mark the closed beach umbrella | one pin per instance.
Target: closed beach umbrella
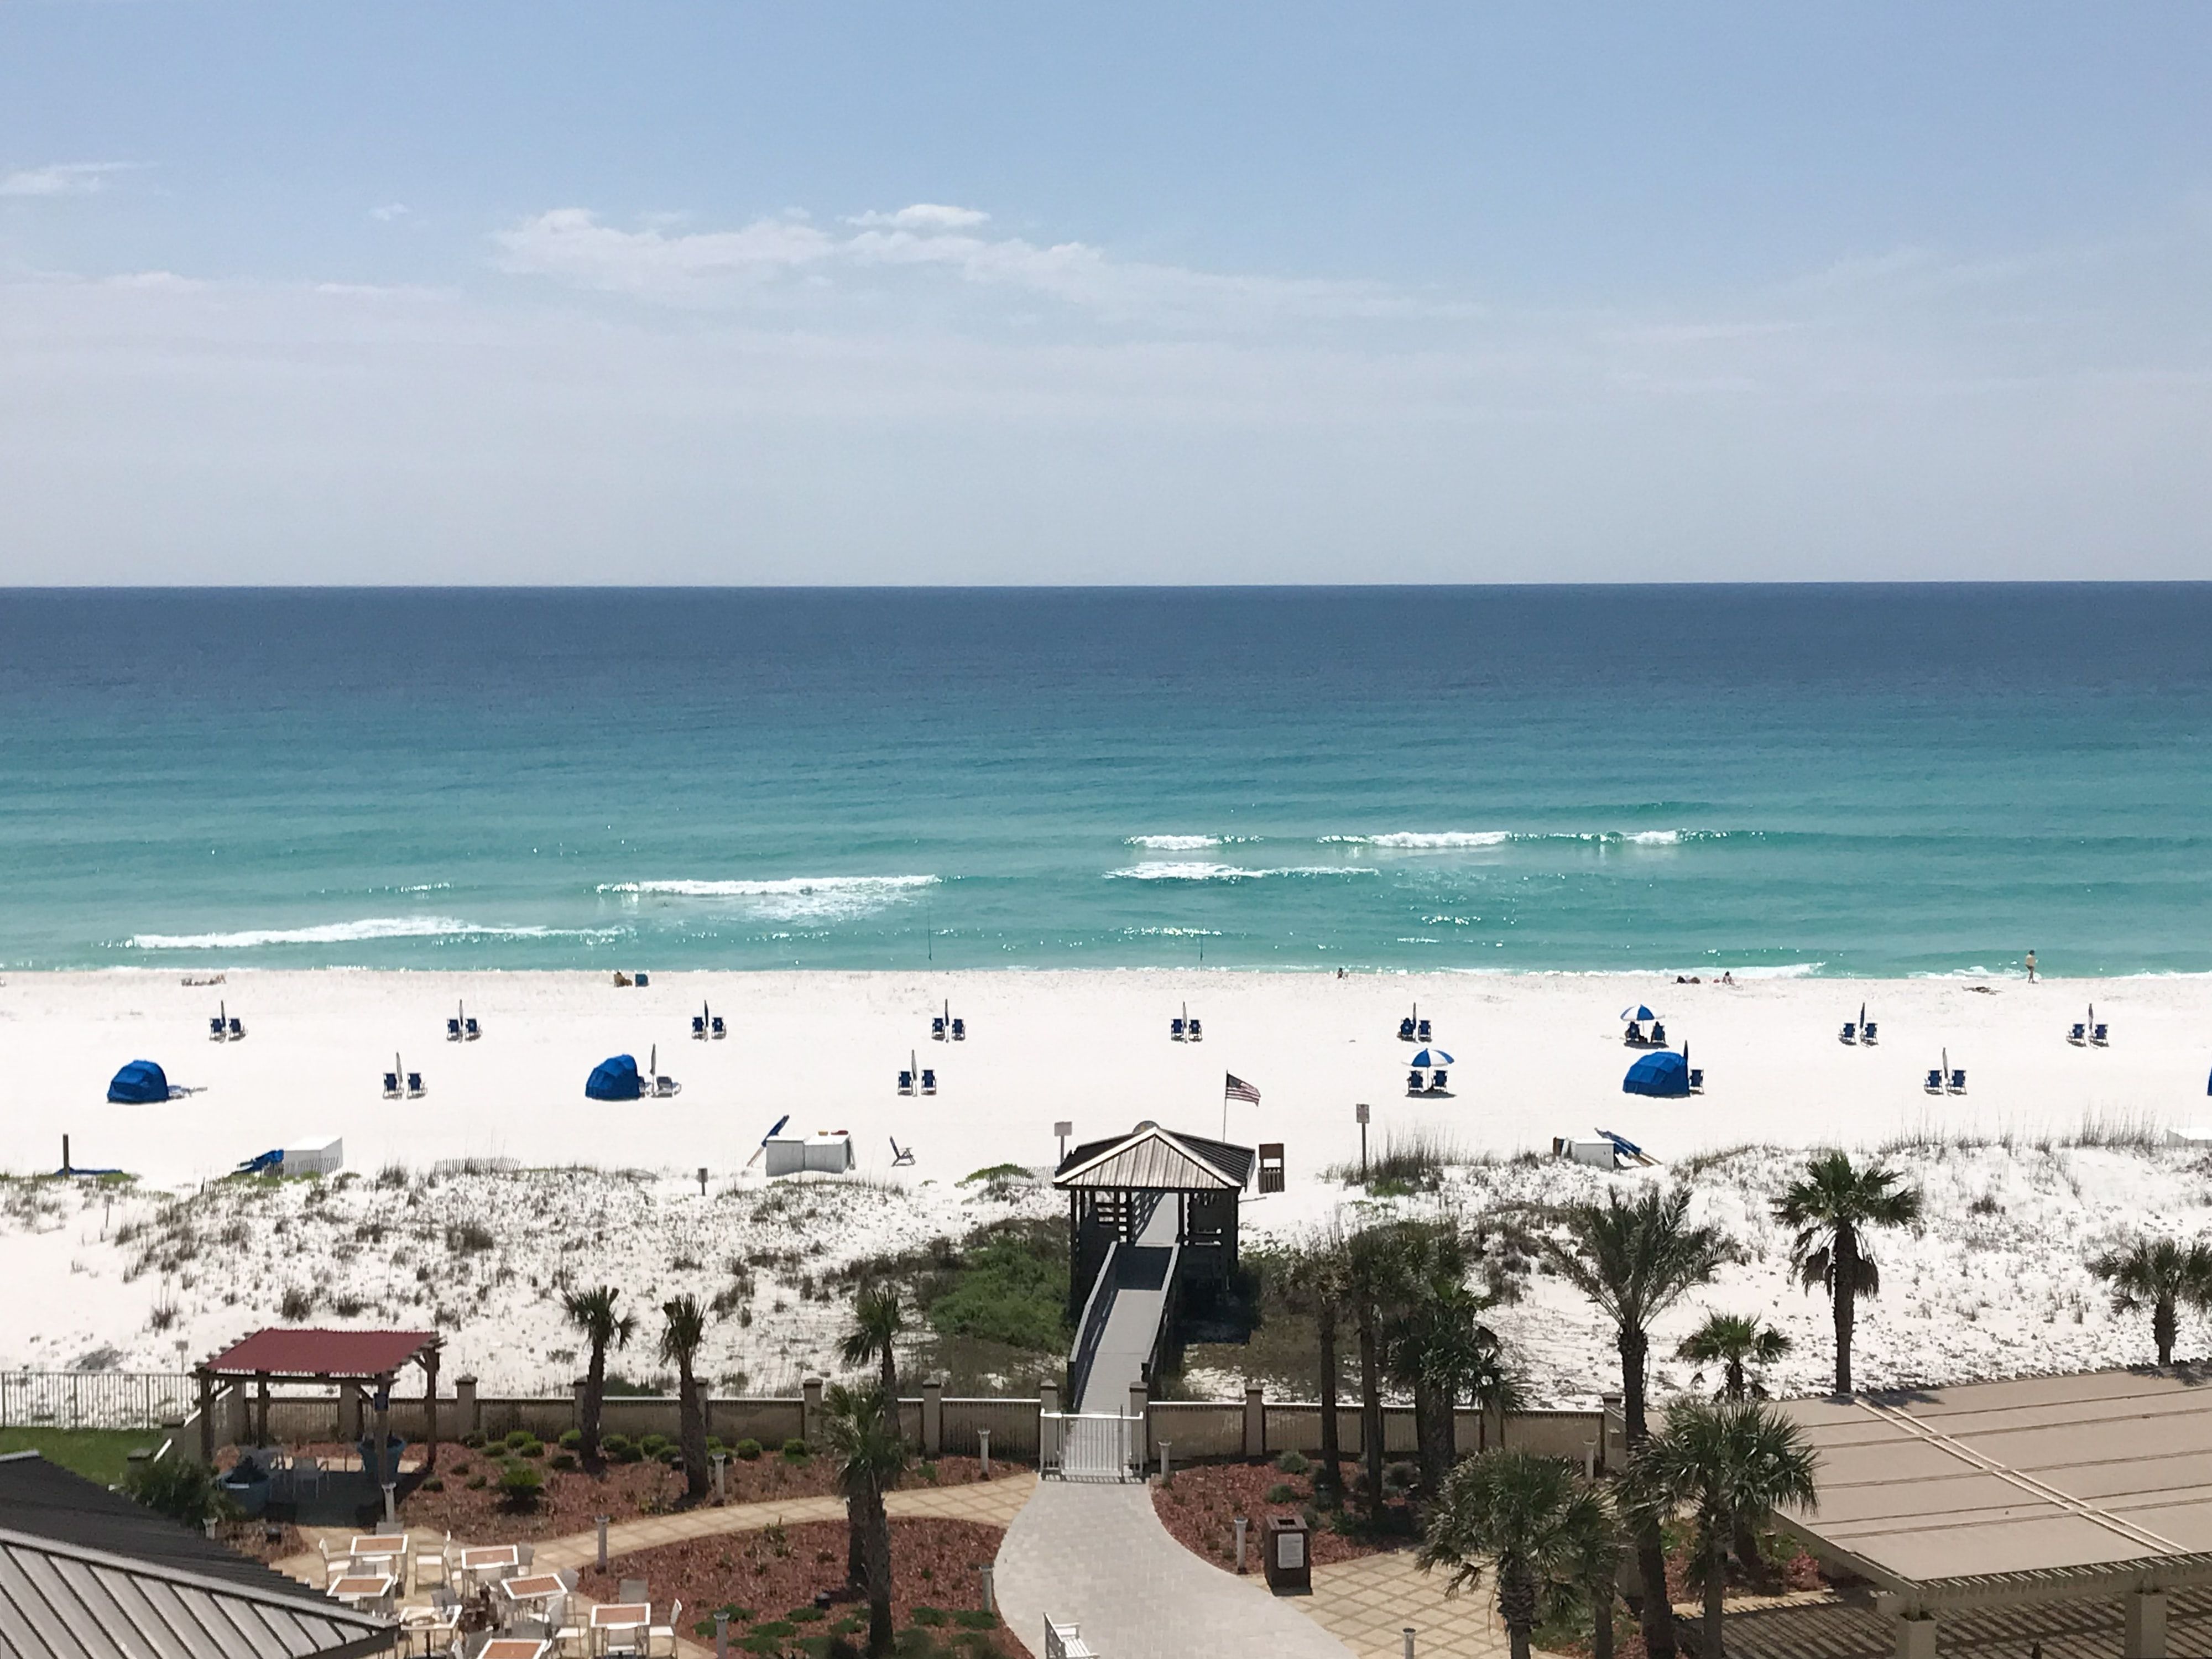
(1637, 1016)
(1665, 1075)
(614, 1079)
(142, 1083)
(1433, 1057)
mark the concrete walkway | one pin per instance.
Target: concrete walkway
(1097, 1555)
(1367, 1604)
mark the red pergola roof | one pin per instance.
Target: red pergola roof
(282, 1353)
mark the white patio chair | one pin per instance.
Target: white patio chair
(440, 1558)
(633, 1589)
(664, 1636)
(336, 1563)
(572, 1631)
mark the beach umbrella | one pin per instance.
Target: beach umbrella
(1432, 1057)
(142, 1083)
(1638, 1015)
(615, 1078)
(1665, 1075)
(1863, 1017)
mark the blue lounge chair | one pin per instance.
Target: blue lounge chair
(928, 1081)
(905, 1083)
(237, 1029)
(1197, 1033)
(699, 1028)
(415, 1089)
(1850, 1033)
(453, 1028)
(472, 1028)
(1957, 1083)
(959, 1029)
(665, 1087)
(1406, 1030)
(1422, 1031)
(215, 1028)
(2077, 1034)
(1934, 1084)
(1867, 1035)
(1696, 1080)
(1175, 1030)
(1437, 1079)
(1658, 1034)
(391, 1085)
(1634, 1039)
(2097, 1036)
(937, 1028)
(1415, 1083)
(715, 1028)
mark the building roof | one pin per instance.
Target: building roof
(1150, 1159)
(86, 1573)
(2039, 1489)
(283, 1353)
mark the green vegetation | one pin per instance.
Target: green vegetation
(749, 1449)
(1009, 1285)
(521, 1483)
(178, 1487)
(997, 1172)
(102, 1455)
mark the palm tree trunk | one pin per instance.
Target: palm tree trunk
(1516, 1606)
(691, 1429)
(891, 1382)
(1656, 1615)
(1746, 1552)
(1370, 1405)
(595, 1382)
(1427, 1450)
(856, 1545)
(879, 1575)
(1332, 1449)
(1602, 1621)
(1845, 1297)
(1709, 1643)
(2161, 1328)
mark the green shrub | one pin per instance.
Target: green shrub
(929, 1616)
(926, 1470)
(1293, 1461)
(434, 1484)
(805, 1615)
(975, 1618)
(179, 1488)
(571, 1439)
(617, 1448)
(520, 1439)
(794, 1450)
(749, 1450)
(519, 1483)
(532, 1448)
(715, 1444)
(473, 1440)
(561, 1460)
(653, 1444)
(1282, 1493)
(476, 1483)
(1010, 1288)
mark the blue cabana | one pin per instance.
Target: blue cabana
(614, 1079)
(142, 1083)
(1665, 1074)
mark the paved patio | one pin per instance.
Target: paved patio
(1366, 1605)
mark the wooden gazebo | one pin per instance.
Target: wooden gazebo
(351, 1358)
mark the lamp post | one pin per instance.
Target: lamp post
(1360, 1112)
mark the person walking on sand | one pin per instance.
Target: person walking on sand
(2031, 967)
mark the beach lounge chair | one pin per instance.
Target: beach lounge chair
(1437, 1079)
(1197, 1031)
(928, 1081)
(237, 1029)
(1658, 1034)
(1406, 1030)
(1175, 1030)
(1421, 1032)
(217, 1029)
(2097, 1036)
(1957, 1083)
(391, 1090)
(1867, 1034)
(905, 1083)
(716, 1028)
(2077, 1034)
(666, 1088)
(415, 1089)
(470, 1029)
(699, 1028)
(959, 1029)
(901, 1155)
(1696, 1080)
(1934, 1084)
(452, 1028)
(1850, 1032)
(1634, 1038)
(1415, 1083)
(937, 1028)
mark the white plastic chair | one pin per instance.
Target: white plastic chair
(665, 1634)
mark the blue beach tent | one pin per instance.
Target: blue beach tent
(142, 1083)
(1664, 1074)
(614, 1079)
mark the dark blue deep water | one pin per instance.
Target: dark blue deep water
(1875, 780)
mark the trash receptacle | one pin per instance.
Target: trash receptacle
(1290, 1562)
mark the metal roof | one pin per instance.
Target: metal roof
(284, 1352)
(2039, 1489)
(1150, 1159)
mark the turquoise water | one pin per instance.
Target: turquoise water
(1847, 780)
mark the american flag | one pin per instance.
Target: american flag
(1236, 1088)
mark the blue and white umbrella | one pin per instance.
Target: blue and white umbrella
(1637, 1015)
(1430, 1058)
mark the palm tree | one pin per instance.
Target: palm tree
(1830, 1206)
(1492, 1386)
(1597, 1574)
(1318, 1282)
(1735, 1342)
(1635, 1258)
(1732, 1462)
(681, 1337)
(592, 1312)
(1372, 1272)
(1435, 1340)
(2159, 1274)
(878, 1319)
(1528, 1522)
(860, 1431)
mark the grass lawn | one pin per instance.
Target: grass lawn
(100, 1454)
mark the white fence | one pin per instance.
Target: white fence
(1098, 1446)
(95, 1400)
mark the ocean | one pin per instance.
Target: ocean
(1847, 780)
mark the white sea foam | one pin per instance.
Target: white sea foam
(1174, 843)
(1424, 840)
(1446, 841)
(1164, 869)
(348, 933)
(789, 898)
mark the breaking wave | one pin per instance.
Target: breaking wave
(1162, 869)
(348, 933)
(790, 898)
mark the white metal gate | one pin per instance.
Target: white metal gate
(1092, 1446)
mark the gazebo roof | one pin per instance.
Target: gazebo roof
(277, 1352)
(1150, 1159)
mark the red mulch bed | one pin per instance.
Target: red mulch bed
(1203, 1499)
(571, 1499)
(768, 1575)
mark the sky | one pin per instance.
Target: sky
(1146, 293)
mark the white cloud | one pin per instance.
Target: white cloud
(571, 245)
(924, 216)
(61, 179)
(389, 211)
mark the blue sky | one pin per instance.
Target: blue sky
(1019, 294)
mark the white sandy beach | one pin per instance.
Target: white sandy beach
(1972, 1293)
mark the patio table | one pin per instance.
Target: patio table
(392, 1548)
(359, 1587)
(486, 1559)
(515, 1647)
(612, 1617)
(539, 1587)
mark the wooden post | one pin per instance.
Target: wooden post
(384, 1427)
(430, 1405)
(207, 1412)
(261, 1429)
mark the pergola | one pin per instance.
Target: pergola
(373, 1358)
(2017, 1494)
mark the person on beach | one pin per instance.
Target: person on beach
(2031, 967)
